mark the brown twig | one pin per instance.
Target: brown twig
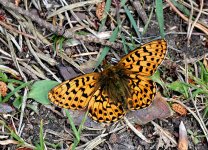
(58, 30)
(197, 18)
(15, 30)
(140, 10)
(198, 25)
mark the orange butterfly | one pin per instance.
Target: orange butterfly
(110, 93)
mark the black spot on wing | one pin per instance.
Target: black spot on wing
(137, 54)
(140, 68)
(83, 82)
(76, 82)
(84, 95)
(127, 59)
(68, 85)
(88, 78)
(145, 49)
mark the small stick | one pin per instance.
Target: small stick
(15, 30)
(140, 10)
(198, 25)
(59, 30)
(139, 134)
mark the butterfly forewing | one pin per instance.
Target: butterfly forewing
(75, 93)
(145, 59)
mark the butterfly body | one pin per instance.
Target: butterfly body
(108, 95)
(114, 81)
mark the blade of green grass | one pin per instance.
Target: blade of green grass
(80, 129)
(41, 135)
(123, 2)
(124, 44)
(203, 73)
(160, 17)
(148, 21)
(76, 133)
(4, 78)
(83, 121)
(133, 22)
(15, 90)
(106, 48)
(181, 7)
(107, 8)
(205, 115)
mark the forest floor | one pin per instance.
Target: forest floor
(35, 56)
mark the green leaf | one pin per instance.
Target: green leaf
(3, 76)
(160, 17)
(39, 91)
(199, 91)
(156, 78)
(179, 87)
(203, 73)
(18, 102)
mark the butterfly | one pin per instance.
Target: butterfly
(110, 94)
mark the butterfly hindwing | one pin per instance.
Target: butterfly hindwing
(102, 109)
(145, 59)
(143, 92)
(75, 93)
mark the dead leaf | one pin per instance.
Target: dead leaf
(67, 72)
(5, 108)
(88, 66)
(78, 117)
(158, 109)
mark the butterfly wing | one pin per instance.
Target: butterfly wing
(102, 109)
(75, 93)
(143, 92)
(81, 92)
(145, 59)
(142, 63)
(84, 91)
